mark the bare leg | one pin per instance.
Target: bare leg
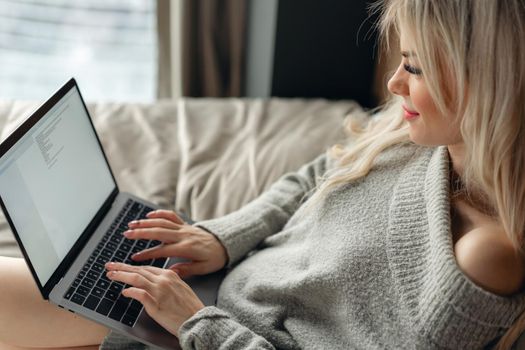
(11, 347)
(26, 320)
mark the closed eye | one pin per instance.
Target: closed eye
(412, 69)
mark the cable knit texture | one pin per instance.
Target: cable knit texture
(369, 267)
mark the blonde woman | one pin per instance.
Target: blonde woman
(412, 238)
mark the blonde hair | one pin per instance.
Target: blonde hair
(472, 55)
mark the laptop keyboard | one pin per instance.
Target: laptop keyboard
(93, 289)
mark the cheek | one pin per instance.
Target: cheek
(422, 101)
(433, 128)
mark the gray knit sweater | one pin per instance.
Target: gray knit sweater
(369, 267)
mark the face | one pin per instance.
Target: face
(428, 126)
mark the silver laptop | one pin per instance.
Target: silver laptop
(64, 207)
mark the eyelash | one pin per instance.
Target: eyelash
(412, 70)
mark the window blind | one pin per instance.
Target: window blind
(108, 45)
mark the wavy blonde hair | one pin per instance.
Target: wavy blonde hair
(472, 54)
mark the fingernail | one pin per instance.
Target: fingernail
(127, 233)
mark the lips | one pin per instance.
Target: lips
(409, 114)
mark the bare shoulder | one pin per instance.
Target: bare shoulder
(488, 258)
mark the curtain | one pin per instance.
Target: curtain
(213, 45)
(165, 63)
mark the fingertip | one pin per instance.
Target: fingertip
(176, 270)
(138, 257)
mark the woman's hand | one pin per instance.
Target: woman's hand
(205, 252)
(166, 298)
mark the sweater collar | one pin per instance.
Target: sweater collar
(420, 248)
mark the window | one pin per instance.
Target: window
(109, 46)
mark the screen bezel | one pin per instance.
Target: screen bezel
(9, 142)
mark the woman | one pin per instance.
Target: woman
(412, 238)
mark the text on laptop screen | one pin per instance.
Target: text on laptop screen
(53, 181)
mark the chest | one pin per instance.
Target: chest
(465, 219)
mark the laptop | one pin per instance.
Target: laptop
(67, 214)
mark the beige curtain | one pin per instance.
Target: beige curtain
(213, 45)
(165, 60)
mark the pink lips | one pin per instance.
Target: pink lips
(410, 115)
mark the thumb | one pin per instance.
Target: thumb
(188, 269)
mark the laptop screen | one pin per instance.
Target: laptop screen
(53, 181)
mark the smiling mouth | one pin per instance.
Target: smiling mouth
(409, 114)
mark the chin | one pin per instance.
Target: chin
(423, 140)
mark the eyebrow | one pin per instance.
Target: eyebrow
(408, 53)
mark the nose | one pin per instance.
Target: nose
(398, 82)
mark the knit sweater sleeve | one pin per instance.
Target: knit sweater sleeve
(241, 231)
(212, 328)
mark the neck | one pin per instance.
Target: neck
(457, 155)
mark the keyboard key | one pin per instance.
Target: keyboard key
(159, 262)
(105, 278)
(116, 238)
(125, 247)
(69, 293)
(105, 306)
(88, 283)
(141, 244)
(106, 253)
(154, 243)
(102, 284)
(102, 260)
(111, 246)
(111, 295)
(119, 254)
(128, 241)
(118, 310)
(133, 312)
(78, 299)
(92, 302)
(83, 291)
(93, 275)
(99, 293)
(136, 206)
(97, 267)
(76, 282)
(115, 287)
(128, 320)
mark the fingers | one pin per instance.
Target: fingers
(189, 269)
(161, 251)
(160, 234)
(165, 214)
(140, 295)
(123, 271)
(148, 223)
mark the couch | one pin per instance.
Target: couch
(203, 157)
